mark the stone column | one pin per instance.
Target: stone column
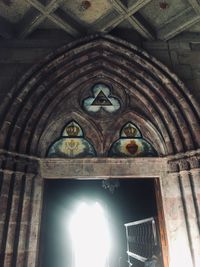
(25, 222)
(188, 200)
(185, 170)
(35, 221)
(195, 181)
(12, 230)
(20, 213)
(5, 205)
(179, 247)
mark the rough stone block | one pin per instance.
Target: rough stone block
(157, 45)
(3, 207)
(162, 56)
(6, 185)
(8, 259)
(21, 257)
(26, 210)
(22, 245)
(174, 58)
(14, 209)
(170, 186)
(10, 238)
(183, 71)
(195, 46)
(194, 85)
(174, 208)
(190, 58)
(23, 55)
(196, 71)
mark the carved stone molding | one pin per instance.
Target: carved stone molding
(29, 127)
(184, 163)
(194, 162)
(53, 168)
(11, 162)
(173, 166)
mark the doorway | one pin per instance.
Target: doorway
(133, 200)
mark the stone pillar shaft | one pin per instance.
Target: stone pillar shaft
(25, 223)
(190, 216)
(35, 222)
(4, 211)
(20, 213)
(179, 249)
(12, 234)
(195, 179)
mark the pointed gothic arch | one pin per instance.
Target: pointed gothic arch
(28, 109)
(43, 101)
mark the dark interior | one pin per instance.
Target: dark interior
(133, 200)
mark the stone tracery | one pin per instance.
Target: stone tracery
(165, 101)
(152, 97)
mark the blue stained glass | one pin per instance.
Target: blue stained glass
(101, 99)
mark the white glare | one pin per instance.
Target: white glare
(90, 236)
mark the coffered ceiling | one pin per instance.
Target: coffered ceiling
(152, 19)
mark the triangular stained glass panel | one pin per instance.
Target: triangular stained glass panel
(101, 100)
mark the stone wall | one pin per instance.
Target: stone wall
(21, 176)
(181, 55)
(21, 200)
(17, 56)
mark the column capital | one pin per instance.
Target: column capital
(187, 162)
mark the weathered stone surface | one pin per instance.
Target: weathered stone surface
(191, 215)
(34, 111)
(69, 63)
(4, 208)
(182, 162)
(19, 163)
(66, 168)
(32, 255)
(190, 58)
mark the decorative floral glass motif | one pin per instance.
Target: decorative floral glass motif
(131, 144)
(71, 144)
(101, 99)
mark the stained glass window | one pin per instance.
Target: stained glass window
(131, 144)
(71, 144)
(101, 99)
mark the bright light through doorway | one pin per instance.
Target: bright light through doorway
(90, 236)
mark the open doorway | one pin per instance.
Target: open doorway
(133, 200)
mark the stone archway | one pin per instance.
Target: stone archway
(35, 111)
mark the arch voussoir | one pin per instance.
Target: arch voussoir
(170, 105)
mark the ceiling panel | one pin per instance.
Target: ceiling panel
(157, 16)
(87, 11)
(14, 11)
(80, 17)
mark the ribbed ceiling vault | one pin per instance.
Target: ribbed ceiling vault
(27, 111)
